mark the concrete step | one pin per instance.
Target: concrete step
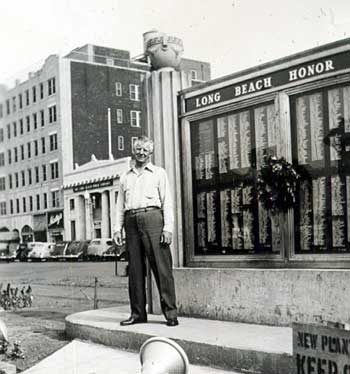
(237, 347)
(79, 357)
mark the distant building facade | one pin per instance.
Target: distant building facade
(86, 105)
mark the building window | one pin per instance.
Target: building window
(52, 114)
(11, 206)
(9, 156)
(27, 97)
(45, 200)
(135, 118)
(120, 143)
(21, 126)
(17, 206)
(24, 204)
(14, 125)
(16, 180)
(1, 111)
(10, 182)
(194, 75)
(43, 169)
(1, 135)
(54, 170)
(37, 202)
(42, 118)
(29, 149)
(36, 174)
(8, 111)
(55, 198)
(134, 92)
(72, 204)
(35, 121)
(43, 146)
(53, 142)
(41, 90)
(51, 85)
(36, 148)
(73, 233)
(20, 101)
(8, 131)
(28, 123)
(22, 152)
(119, 116)
(30, 176)
(133, 140)
(30, 203)
(118, 89)
(2, 159)
(23, 174)
(3, 208)
(15, 151)
(34, 94)
(14, 107)
(2, 183)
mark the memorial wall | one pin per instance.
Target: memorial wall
(296, 108)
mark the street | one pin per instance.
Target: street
(59, 289)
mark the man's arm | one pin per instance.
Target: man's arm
(119, 215)
(167, 206)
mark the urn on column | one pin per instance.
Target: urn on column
(164, 51)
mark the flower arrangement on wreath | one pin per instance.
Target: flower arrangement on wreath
(277, 182)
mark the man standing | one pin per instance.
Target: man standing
(144, 210)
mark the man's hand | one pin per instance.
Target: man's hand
(166, 237)
(117, 236)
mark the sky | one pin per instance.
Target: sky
(230, 34)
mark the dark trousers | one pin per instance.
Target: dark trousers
(143, 232)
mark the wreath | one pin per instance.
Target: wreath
(277, 184)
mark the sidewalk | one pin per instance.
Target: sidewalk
(217, 344)
(80, 357)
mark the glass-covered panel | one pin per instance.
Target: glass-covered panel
(321, 140)
(226, 152)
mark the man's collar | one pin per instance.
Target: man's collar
(149, 167)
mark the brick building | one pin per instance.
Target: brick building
(58, 120)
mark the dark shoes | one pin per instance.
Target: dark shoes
(132, 321)
(172, 322)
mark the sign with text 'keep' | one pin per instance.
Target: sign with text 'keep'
(320, 349)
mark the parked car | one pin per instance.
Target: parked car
(77, 250)
(59, 250)
(23, 250)
(41, 251)
(99, 248)
(7, 251)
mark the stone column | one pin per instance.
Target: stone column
(88, 217)
(105, 226)
(80, 218)
(161, 88)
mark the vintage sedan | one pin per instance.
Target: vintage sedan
(8, 251)
(77, 250)
(59, 251)
(23, 250)
(99, 249)
(41, 251)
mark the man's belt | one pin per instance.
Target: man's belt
(142, 210)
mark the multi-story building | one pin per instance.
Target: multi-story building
(86, 105)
